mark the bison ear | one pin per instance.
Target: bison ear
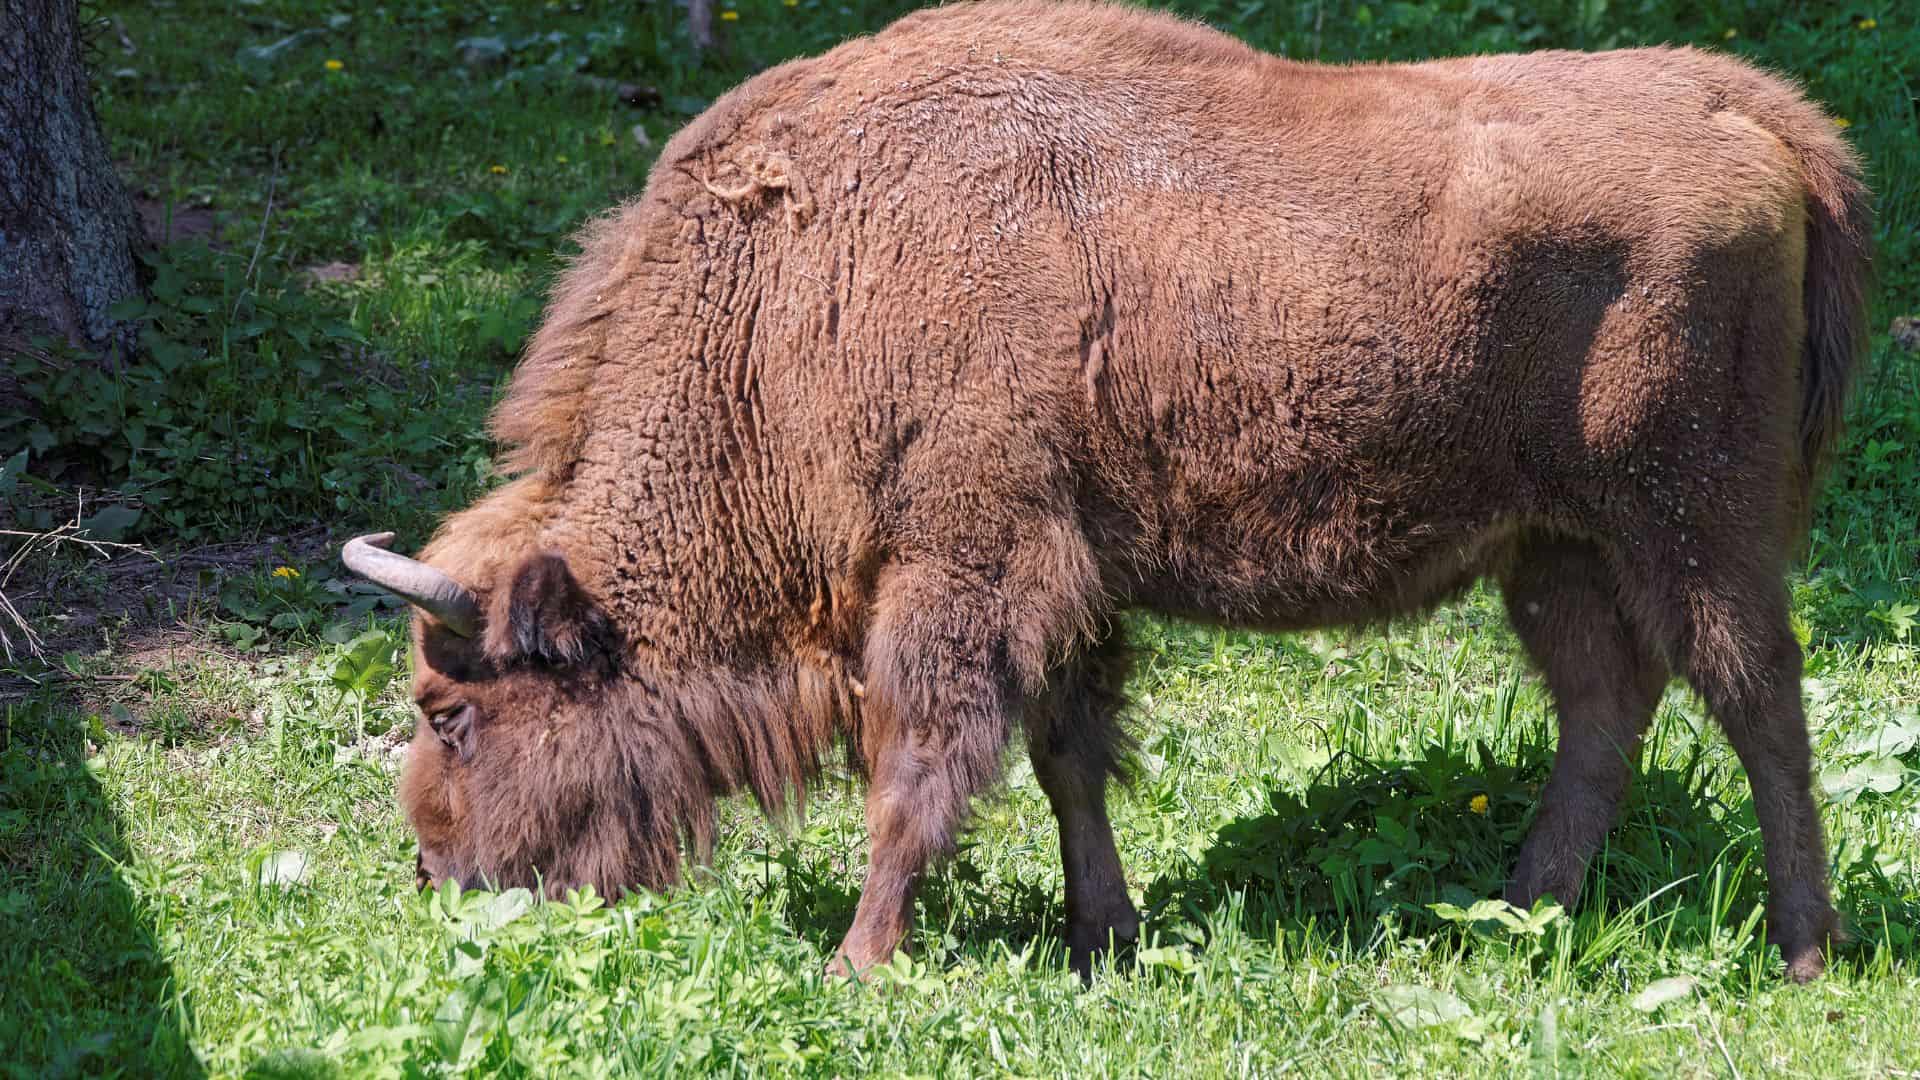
(549, 617)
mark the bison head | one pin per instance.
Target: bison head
(532, 765)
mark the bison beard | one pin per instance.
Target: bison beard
(919, 362)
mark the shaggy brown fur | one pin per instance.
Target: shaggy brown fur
(918, 361)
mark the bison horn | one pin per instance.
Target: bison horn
(413, 581)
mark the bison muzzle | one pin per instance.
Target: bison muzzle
(918, 362)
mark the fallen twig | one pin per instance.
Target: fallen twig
(32, 543)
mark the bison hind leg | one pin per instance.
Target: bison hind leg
(1564, 603)
(1734, 642)
(1077, 745)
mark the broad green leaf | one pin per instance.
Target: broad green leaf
(1878, 774)
(1897, 735)
(1537, 921)
(461, 1027)
(10, 473)
(501, 909)
(365, 664)
(284, 869)
(1662, 991)
(384, 1038)
(1421, 1006)
(1174, 958)
(110, 522)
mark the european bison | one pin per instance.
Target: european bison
(918, 362)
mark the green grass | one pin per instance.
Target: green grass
(203, 868)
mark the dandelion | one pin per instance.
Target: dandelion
(729, 15)
(497, 170)
(1842, 122)
(1478, 804)
(1729, 34)
(1866, 24)
(286, 572)
(335, 65)
(560, 158)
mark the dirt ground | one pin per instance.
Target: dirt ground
(102, 618)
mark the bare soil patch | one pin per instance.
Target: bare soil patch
(165, 223)
(107, 622)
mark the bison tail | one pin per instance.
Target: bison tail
(1839, 258)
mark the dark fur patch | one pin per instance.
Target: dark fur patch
(551, 619)
(455, 728)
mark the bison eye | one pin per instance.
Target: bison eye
(455, 729)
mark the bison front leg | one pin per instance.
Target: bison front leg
(1076, 744)
(915, 806)
(936, 716)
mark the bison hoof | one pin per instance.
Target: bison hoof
(1806, 964)
(1086, 943)
(847, 967)
(1805, 925)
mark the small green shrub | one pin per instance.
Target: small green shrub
(286, 601)
(251, 404)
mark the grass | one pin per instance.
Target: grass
(203, 868)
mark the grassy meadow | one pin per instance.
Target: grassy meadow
(203, 868)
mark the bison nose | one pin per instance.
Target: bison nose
(421, 879)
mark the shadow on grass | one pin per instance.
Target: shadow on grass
(1381, 841)
(1375, 842)
(84, 987)
(956, 902)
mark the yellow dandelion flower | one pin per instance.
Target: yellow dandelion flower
(1867, 24)
(286, 572)
(1478, 804)
(1729, 34)
(497, 170)
(334, 65)
(1842, 122)
(729, 15)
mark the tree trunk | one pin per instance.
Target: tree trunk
(67, 227)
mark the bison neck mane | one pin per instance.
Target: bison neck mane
(686, 740)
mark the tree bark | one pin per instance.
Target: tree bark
(67, 226)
